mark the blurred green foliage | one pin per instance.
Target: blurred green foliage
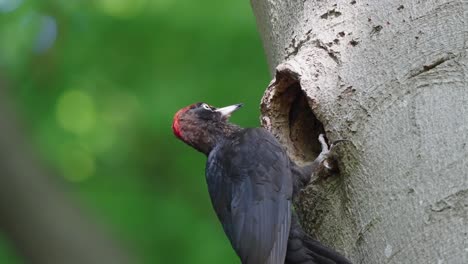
(97, 84)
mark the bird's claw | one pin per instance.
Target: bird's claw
(324, 144)
(325, 158)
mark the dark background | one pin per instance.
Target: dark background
(97, 84)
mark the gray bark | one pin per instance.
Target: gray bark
(391, 77)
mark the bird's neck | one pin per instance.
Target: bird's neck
(206, 139)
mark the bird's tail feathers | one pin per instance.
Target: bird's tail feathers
(302, 249)
(322, 253)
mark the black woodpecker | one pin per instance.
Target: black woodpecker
(251, 182)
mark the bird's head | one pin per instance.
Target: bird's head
(202, 126)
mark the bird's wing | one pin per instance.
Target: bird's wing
(249, 180)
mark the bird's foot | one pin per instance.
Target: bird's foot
(327, 163)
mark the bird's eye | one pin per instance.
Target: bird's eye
(207, 107)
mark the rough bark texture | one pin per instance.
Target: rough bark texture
(391, 77)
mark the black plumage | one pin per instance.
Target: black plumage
(251, 182)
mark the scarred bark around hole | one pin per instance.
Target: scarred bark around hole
(390, 77)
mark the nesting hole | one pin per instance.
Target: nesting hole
(294, 122)
(304, 127)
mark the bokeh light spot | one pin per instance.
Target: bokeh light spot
(76, 112)
(9, 5)
(102, 139)
(77, 164)
(120, 108)
(47, 34)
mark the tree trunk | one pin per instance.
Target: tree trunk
(390, 76)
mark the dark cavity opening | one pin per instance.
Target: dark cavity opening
(293, 120)
(304, 127)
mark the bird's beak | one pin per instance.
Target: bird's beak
(228, 110)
